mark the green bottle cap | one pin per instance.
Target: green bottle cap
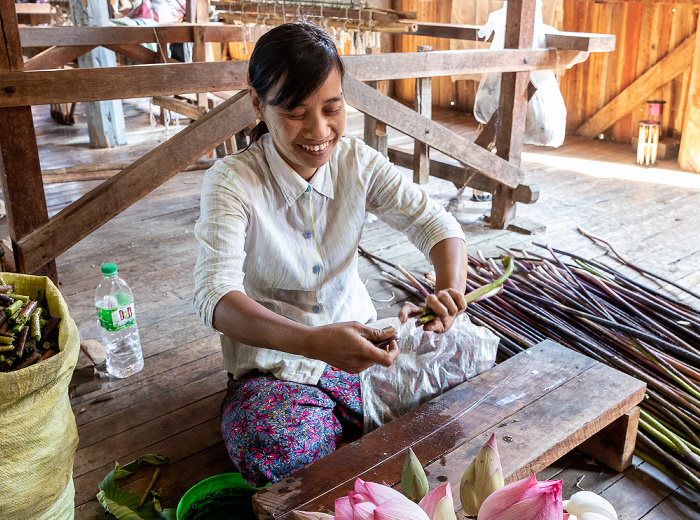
(109, 269)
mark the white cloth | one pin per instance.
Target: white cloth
(291, 245)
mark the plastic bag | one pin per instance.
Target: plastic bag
(428, 365)
(39, 435)
(546, 112)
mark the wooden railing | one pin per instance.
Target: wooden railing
(38, 240)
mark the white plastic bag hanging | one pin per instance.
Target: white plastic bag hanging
(546, 112)
(428, 365)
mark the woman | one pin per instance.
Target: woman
(277, 268)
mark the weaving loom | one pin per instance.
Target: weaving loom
(348, 21)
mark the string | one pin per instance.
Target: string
(159, 46)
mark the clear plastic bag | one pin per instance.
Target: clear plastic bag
(429, 364)
(546, 112)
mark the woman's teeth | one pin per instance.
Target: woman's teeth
(316, 148)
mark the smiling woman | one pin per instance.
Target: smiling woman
(277, 267)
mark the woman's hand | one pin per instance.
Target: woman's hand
(350, 346)
(446, 304)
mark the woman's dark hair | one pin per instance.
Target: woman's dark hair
(297, 58)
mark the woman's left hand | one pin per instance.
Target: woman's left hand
(446, 304)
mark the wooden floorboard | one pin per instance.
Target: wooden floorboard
(172, 406)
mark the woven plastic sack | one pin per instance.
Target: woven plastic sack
(38, 435)
(428, 365)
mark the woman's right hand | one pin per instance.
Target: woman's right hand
(350, 346)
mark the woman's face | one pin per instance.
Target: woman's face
(307, 135)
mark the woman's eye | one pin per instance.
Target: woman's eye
(333, 111)
(295, 116)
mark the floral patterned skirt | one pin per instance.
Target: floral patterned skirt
(272, 428)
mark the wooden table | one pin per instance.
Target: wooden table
(541, 404)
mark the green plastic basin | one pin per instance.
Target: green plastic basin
(221, 497)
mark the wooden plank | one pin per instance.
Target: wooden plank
(66, 86)
(402, 118)
(56, 57)
(138, 53)
(459, 176)
(575, 41)
(446, 432)
(614, 444)
(20, 170)
(657, 76)
(181, 107)
(423, 104)
(446, 63)
(512, 107)
(124, 189)
(66, 36)
(689, 153)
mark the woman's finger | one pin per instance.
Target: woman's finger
(409, 310)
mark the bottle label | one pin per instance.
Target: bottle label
(117, 319)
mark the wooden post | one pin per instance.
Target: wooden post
(375, 131)
(689, 153)
(424, 106)
(22, 186)
(105, 119)
(614, 444)
(512, 107)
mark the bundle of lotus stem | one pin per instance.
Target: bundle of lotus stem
(614, 318)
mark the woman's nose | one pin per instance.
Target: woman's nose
(317, 128)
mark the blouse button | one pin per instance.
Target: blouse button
(317, 269)
(308, 234)
(316, 309)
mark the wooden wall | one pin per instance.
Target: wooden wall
(645, 32)
(446, 94)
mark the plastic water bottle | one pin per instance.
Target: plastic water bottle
(115, 310)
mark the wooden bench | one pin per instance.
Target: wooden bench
(541, 403)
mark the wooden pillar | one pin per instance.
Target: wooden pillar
(105, 119)
(375, 131)
(512, 106)
(424, 106)
(689, 153)
(22, 187)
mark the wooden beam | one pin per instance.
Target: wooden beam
(77, 85)
(405, 120)
(67, 86)
(138, 53)
(589, 42)
(423, 104)
(689, 153)
(460, 176)
(664, 71)
(113, 196)
(20, 170)
(189, 110)
(100, 172)
(66, 36)
(512, 107)
(446, 63)
(56, 57)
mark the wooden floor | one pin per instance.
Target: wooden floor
(172, 407)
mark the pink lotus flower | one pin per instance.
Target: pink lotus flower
(525, 498)
(371, 501)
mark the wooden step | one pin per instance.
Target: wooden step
(541, 404)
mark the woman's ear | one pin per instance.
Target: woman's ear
(255, 99)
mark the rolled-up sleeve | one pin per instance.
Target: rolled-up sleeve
(403, 205)
(221, 232)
